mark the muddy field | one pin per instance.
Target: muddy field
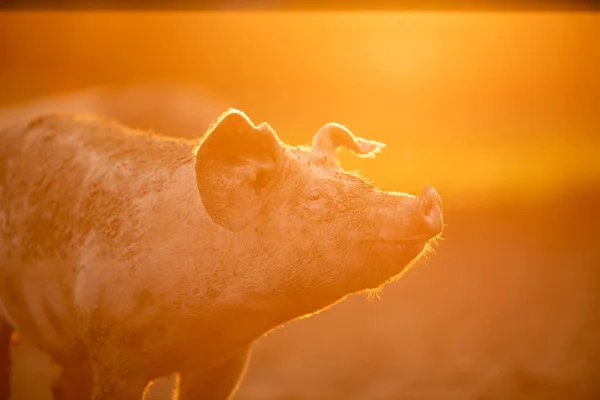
(509, 308)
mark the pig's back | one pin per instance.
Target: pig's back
(69, 191)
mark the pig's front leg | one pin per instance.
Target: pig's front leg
(219, 383)
(5, 364)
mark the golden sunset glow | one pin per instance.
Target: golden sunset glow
(479, 104)
(499, 111)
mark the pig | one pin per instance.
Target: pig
(127, 255)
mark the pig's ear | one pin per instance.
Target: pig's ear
(333, 136)
(235, 161)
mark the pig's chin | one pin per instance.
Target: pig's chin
(389, 259)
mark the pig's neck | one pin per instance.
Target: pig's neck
(227, 281)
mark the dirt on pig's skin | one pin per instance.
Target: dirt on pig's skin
(508, 308)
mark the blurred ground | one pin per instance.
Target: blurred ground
(498, 111)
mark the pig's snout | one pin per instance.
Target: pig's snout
(429, 213)
(412, 218)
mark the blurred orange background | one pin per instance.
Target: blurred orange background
(499, 111)
(477, 104)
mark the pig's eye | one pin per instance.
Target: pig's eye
(260, 182)
(314, 196)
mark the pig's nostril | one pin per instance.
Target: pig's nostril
(431, 211)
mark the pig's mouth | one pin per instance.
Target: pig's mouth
(413, 240)
(411, 246)
(396, 253)
(405, 246)
(396, 242)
